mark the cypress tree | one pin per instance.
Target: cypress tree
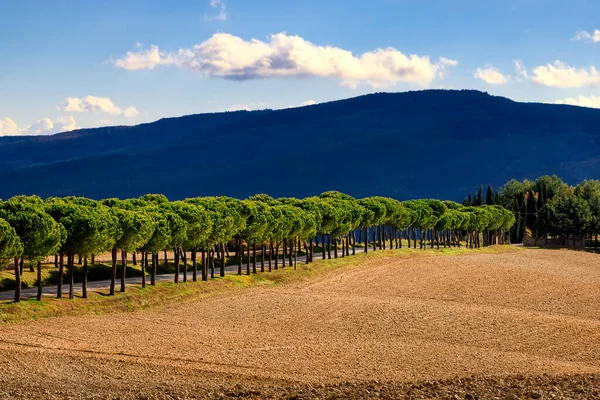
(531, 212)
(479, 197)
(489, 197)
(468, 201)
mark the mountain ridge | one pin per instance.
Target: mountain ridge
(391, 144)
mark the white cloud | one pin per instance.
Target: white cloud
(593, 37)
(222, 7)
(41, 127)
(230, 57)
(66, 124)
(254, 105)
(491, 75)
(96, 104)
(239, 107)
(45, 126)
(144, 59)
(562, 75)
(8, 127)
(583, 101)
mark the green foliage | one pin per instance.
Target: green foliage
(135, 225)
(90, 227)
(259, 223)
(199, 224)
(39, 233)
(542, 206)
(227, 217)
(10, 245)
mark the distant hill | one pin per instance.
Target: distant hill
(434, 143)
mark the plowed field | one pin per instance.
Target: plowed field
(523, 323)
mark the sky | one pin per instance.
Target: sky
(70, 64)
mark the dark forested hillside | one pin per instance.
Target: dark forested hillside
(417, 144)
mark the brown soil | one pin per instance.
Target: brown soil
(522, 324)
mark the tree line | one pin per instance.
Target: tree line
(202, 230)
(547, 207)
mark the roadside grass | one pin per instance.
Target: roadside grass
(165, 293)
(96, 272)
(102, 270)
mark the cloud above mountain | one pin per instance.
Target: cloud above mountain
(285, 56)
(96, 105)
(44, 126)
(491, 75)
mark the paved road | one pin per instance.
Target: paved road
(50, 291)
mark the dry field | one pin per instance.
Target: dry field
(519, 324)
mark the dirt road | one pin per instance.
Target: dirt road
(378, 330)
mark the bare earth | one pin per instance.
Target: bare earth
(521, 324)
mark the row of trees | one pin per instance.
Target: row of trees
(548, 207)
(32, 229)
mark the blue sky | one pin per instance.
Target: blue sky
(69, 64)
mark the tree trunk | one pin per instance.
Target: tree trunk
(240, 255)
(17, 281)
(284, 249)
(184, 260)
(133, 255)
(123, 270)
(354, 242)
(295, 244)
(253, 258)
(21, 266)
(292, 245)
(176, 260)
(270, 255)
(414, 237)
(113, 277)
(39, 281)
(335, 247)
(166, 259)
(71, 259)
(211, 260)
(153, 276)
(366, 242)
(329, 247)
(374, 237)
(144, 264)
(323, 245)
(248, 258)
(85, 278)
(204, 266)
(276, 255)
(222, 272)
(194, 266)
(312, 250)
(262, 258)
(56, 261)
